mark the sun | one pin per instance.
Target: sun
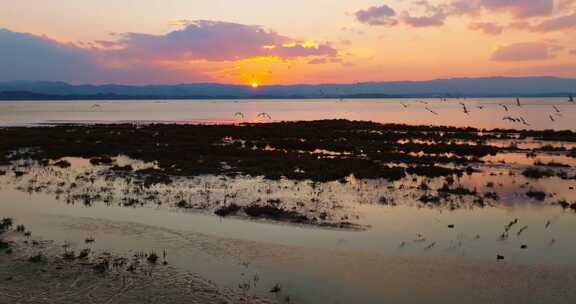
(255, 85)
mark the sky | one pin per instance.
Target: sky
(268, 42)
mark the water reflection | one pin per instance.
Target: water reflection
(484, 113)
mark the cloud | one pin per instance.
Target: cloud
(218, 41)
(566, 22)
(521, 8)
(425, 13)
(377, 15)
(189, 54)
(523, 52)
(573, 52)
(386, 16)
(31, 57)
(434, 16)
(488, 28)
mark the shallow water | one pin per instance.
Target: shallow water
(231, 251)
(203, 243)
(536, 111)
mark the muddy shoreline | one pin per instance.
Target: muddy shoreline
(33, 270)
(444, 279)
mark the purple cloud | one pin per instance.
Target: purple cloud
(377, 15)
(521, 8)
(32, 57)
(217, 41)
(567, 22)
(523, 52)
(187, 55)
(436, 19)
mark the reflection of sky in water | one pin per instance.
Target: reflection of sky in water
(535, 110)
(229, 262)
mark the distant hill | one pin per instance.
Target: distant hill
(456, 87)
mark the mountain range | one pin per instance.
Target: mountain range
(455, 87)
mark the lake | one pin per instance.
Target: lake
(538, 113)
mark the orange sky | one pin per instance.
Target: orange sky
(285, 42)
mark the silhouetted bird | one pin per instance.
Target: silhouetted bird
(239, 114)
(518, 102)
(505, 107)
(264, 115)
(571, 98)
(465, 109)
(431, 111)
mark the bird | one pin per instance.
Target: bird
(505, 107)
(430, 246)
(465, 109)
(239, 114)
(404, 105)
(431, 111)
(548, 223)
(518, 102)
(556, 109)
(499, 257)
(264, 115)
(571, 98)
(524, 122)
(521, 230)
(552, 118)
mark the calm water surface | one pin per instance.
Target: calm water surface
(483, 113)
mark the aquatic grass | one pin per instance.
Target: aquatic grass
(536, 173)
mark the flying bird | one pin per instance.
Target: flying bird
(552, 118)
(505, 107)
(556, 109)
(431, 111)
(571, 98)
(264, 115)
(239, 114)
(518, 102)
(465, 109)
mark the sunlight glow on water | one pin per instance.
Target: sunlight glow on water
(484, 113)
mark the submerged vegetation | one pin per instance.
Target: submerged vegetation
(295, 169)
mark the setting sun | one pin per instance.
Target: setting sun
(255, 85)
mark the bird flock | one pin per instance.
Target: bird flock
(554, 114)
